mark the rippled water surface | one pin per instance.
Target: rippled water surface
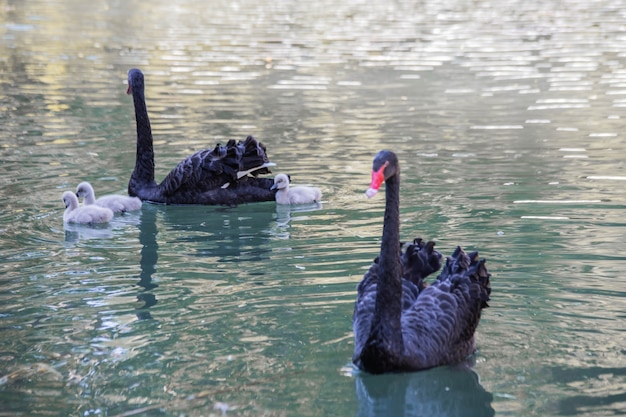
(508, 120)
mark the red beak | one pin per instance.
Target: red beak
(378, 177)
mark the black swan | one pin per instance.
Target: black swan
(400, 323)
(294, 195)
(211, 176)
(117, 203)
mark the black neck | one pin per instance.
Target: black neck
(144, 165)
(388, 307)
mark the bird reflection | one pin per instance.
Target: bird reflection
(232, 234)
(285, 213)
(443, 392)
(149, 257)
(227, 234)
(77, 232)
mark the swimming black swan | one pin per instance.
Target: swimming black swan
(400, 323)
(294, 195)
(210, 176)
(117, 203)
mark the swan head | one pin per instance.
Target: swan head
(135, 80)
(281, 181)
(70, 199)
(385, 166)
(84, 189)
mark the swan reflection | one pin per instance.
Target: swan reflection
(443, 392)
(148, 261)
(286, 213)
(223, 234)
(75, 232)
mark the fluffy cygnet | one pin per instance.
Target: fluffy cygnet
(85, 214)
(294, 195)
(117, 203)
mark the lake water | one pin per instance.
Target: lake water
(508, 120)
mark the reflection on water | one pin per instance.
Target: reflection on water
(148, 260)
(608, 402)
(507, 118)
(75, 232)
(218, 235)
(446, 391)
(223, 234)
(286, 213)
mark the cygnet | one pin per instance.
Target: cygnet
(294, 195)
(117, 203)
(84, 214)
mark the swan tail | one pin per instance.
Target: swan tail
(419, 260)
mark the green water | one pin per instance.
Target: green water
(507, 118)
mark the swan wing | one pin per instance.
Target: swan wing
(210, 169)
(112, 202)
(364, 310)
(304, 195)
(89, 215)
(119, 203)
(420, 259)
(439, 327)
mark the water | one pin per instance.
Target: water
(507, 118)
